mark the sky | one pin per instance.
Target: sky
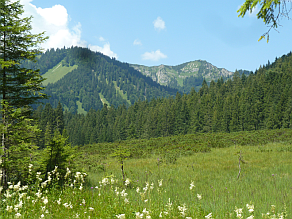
(155, 32)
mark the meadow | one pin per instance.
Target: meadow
(236, 181)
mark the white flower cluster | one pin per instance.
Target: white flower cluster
(168, 209)
(142, 214)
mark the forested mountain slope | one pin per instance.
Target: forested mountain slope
(262, 100)
(82, 79)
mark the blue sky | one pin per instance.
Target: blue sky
(161, 32)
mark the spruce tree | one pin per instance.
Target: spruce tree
(19, 87)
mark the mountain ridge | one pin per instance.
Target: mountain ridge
(82, 79)
(177, 76)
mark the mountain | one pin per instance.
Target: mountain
(81, 79)
(185, 76)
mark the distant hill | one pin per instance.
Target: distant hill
(81, 79)
(185, 76)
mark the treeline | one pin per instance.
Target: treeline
(262, 100)
(47, 60)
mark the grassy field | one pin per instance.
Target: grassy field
(124, 96)
(56, 73)
(250, 181)
(264, 180)
(103, 100)
(80, 110)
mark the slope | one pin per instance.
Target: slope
(56, 73)
(82, 79)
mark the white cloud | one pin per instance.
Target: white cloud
(101, 39)
(106, 50)
(54, 21)
(159, 24)
(137, 43)
(153, 56)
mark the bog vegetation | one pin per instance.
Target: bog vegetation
(206, 184)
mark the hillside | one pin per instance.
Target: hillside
(185, 76)
(81, 79)
(259, 101)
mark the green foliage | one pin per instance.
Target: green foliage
(121, 153)
(57, 153)
(18, 141)
(270, 12)
(19, 88)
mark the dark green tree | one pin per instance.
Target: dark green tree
(19, 87)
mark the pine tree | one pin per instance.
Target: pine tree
(19, 87)
(59, 118)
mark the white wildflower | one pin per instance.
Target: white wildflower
(199, 196)
(238, 212)
(145, 211)
(152, 186)
(7, 194)
(22, 195)
(250, 208)
(192, 185)
(91, 209)
(105, 181)
(45, 200)
(19, 205)
(209, 216)
(123, 193)
(112, 180)
(66, 205)
(17, 186)
(182, 210)
(160, 183)
(127, 182)
(17, 215)
(121, 216)
(139, 215)
(59, 201)
(126, 201)
(39, 194)
(67, 173)
(9, 208)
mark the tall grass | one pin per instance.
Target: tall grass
(203, 185)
